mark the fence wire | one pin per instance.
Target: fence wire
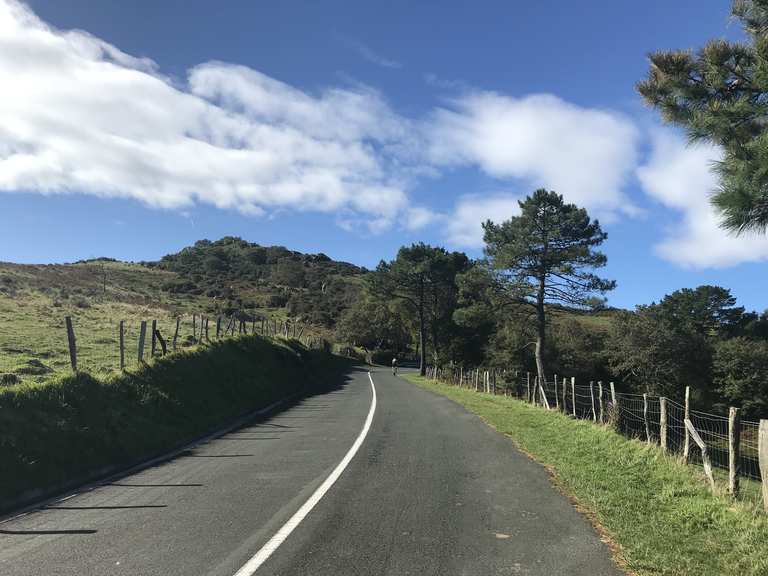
(634, 415)
(36, 356)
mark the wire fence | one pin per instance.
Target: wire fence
(731, 444)
(104, 346)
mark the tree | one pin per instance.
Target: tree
(654, 353)
(544, 256)
(374, 325)
(443, 301)
(710, 310)
(720, 95)
(740, 374)
(419, 275)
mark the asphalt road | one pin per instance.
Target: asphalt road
(431, 491)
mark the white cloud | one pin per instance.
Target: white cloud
(584, 154)
(81, 116)
(373, 57)
(464, 226)
(681, 178)
(419, 217)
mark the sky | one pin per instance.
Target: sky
(133, 129)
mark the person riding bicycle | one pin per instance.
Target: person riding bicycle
(394, 366)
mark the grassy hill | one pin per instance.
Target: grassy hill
(228, 278)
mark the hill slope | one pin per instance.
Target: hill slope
(228, 278)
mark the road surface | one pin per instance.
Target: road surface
(432, 490)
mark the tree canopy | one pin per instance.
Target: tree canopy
(424, 277)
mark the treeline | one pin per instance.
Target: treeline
(534, 303)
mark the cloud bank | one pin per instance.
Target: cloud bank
(81, 116)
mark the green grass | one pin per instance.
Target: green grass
(59, 433)
(658, 512)
(34, 301)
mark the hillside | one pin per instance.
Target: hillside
(228, 278)
(237, 275)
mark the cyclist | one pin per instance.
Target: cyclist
(394, 366)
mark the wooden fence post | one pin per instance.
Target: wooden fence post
(663, 423)
(600, 403)
(573, 394)
(122, 345)
(762, 450)
(528, 386)
(557, 396)
(154, 338)
(176, 333)
(592, 396)
(544, 400)
(645, 419)
(616, 410)
(194, 326)
(734, 451)
(687, 440)
(161, 340)
(142, 338)
(704, 455)
(565, 395)
(72, 343)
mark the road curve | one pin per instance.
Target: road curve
(431, 491)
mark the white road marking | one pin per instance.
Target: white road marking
(274, 543)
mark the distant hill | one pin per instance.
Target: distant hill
(240, 275)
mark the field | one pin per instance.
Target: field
(34, 301)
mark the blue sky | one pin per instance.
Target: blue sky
(351, 128)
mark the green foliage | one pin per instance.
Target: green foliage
(664, 347)
(548, 251)
(375, 325)
(546, 256)
(241, 275)
(578, 348)
(740, 368)
(653, 353)
(719, 95)
(708, 310)
(424, 278)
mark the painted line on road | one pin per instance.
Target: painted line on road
(274, 543)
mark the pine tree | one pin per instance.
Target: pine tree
(544, 256)
(720, 95)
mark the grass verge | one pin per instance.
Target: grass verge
(657, 512)
(58, 434)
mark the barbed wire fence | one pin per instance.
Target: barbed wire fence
(109, 347)
(727, 447)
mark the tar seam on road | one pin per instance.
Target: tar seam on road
(274, 543)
